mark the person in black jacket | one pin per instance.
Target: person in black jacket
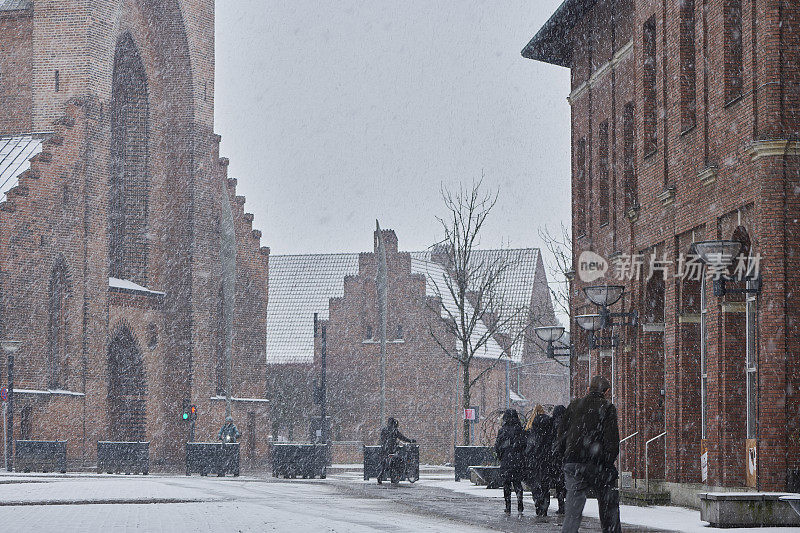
(509, 448)
(388, 440)
(588, 439)
(538, 452)
(557, 461)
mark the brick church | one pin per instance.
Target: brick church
(685, 126)
(112, 188)
(423, 385)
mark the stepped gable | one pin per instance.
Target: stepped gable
(245, 234)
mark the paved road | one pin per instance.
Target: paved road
(465, 508)
(176, 503)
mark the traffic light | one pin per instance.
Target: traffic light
(186, 411)
(192, 412)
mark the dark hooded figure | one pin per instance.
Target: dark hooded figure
(588, 439)
(538, 453)
(389, 437)
(557, 461)
(229, 433)
(509, 448)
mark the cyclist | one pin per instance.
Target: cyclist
(389, 437)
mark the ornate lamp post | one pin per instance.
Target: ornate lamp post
(10, 348)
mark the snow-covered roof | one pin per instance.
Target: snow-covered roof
(15, 154)
(13, 5)
(301, 285)
(127, 285)
(515, 285)
(436, 285)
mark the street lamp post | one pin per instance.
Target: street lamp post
(10, 348)
(604, 296)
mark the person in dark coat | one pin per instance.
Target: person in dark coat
(229, 432)
(510, 450)
(557, 461)
(538, 453)
(388, 441)
(588, 439)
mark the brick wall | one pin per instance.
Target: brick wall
(61, 209)
(695, 183)
(16, 47)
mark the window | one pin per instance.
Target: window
(57, 80)
(57, 330)
(602, 167)
(649, 85)
(579, 192)
(399, 331)
(687, 58)
(629, 158)
(751, 367)
(220, 363)
(369, 333)
(733, 50)
(703, 360)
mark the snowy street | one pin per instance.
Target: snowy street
(341, 503)
(89, 502)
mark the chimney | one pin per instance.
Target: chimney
(389, 241)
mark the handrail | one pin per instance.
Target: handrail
(647, 462)
(621, 454)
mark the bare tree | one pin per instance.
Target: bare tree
(469, 299)
(560, 249)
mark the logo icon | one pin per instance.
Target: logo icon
(591, 266)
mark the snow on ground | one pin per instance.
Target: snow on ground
(672, 518)
(45, 503)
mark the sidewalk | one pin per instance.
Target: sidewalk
(671, 518)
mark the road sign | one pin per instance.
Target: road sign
(469, 414)
(4, 394)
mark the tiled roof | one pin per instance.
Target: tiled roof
(15, 154)
(12, 5)
(515, 286)
(436, 284)
(301, 285)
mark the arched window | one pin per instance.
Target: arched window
(57, 324)
(127, 387)
(129, 155)
(219, 352)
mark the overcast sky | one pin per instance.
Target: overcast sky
(336, 113)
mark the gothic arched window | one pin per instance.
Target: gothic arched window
(129, 159)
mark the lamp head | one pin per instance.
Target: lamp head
(549, 333)
(590, 322)
(721, 253)
(9, 346)
(604, 295)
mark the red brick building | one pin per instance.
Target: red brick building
(110, 228)
(684, 129)
(423, 385)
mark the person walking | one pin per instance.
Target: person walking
(588, 439)
(556, 463)
(509, 448)
(538, 452)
